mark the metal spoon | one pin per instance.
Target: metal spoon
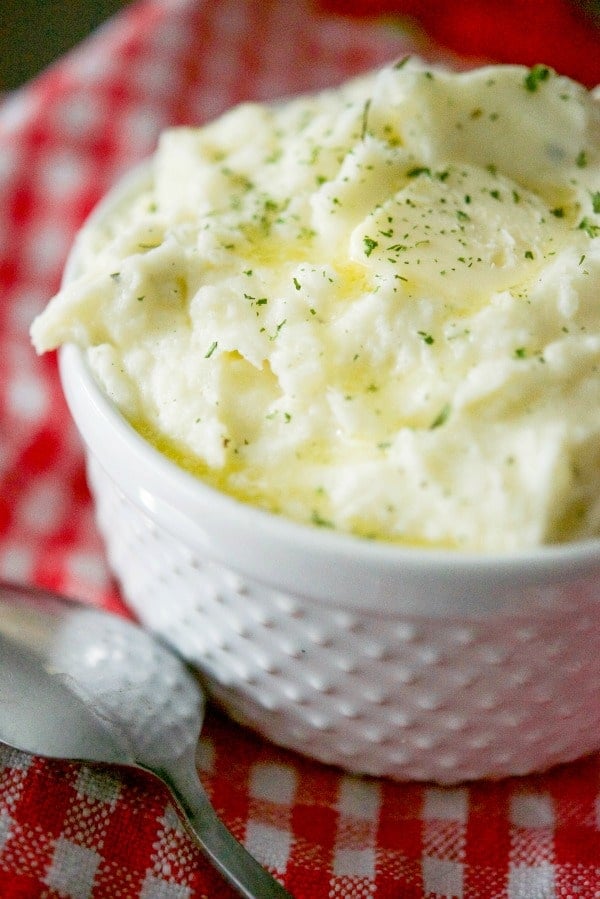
(78, 683)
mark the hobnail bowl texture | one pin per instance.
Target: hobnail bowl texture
(502, 678)
(384, 660)
(415, 698)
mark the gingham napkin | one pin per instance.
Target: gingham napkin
(74, 832)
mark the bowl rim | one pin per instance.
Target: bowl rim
(182, 492)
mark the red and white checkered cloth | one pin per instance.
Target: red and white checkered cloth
(73, 832)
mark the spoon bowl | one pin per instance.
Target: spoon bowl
(78, 683)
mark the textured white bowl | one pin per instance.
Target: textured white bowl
(393, 661)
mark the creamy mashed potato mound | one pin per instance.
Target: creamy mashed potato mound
(376, 309)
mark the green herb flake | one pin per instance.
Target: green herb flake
(581, 159)
(441, 418)
(211, 350)
(591, 229)
(528, 254)
(297, 284)
(520, 353)
(317, 519)
(558, 212)
(535, 76)
(427, 338)
(369, 245)
(365, 119)
(418, 170)
(596, 201)
(277, 330)
(141, 299)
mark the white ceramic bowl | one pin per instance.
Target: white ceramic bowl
(393, 661)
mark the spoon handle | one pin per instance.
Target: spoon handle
(234, 862)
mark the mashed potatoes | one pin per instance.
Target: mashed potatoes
(376, 309)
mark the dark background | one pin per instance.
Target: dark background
(561, 33)
(34, 32)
